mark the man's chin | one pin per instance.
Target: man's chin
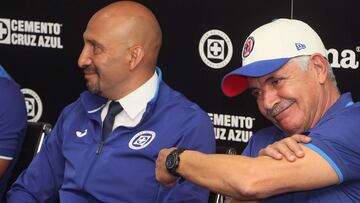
(289, 130)
(94, 89)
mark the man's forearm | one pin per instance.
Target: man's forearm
(217, 172)
(246, 178)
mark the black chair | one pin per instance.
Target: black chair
(35, 134)
(217, 197)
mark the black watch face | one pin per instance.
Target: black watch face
(170, 161)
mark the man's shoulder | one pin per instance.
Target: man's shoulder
(7, 85)
(173, 104)
(352, 110)
(74, 107)
(87, 102)
(344, 118)
(177, 100)
(341, 127)
(12, 91)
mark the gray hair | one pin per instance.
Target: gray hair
(302, 62)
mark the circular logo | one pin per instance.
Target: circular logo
(4, 31)
(248, 47)
(141, 140)
(33, 104)
(215, 49)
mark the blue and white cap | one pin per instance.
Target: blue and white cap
(268, 48)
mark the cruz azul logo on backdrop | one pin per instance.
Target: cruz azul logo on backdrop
(215, 49)
(30, 33)
(33, 104)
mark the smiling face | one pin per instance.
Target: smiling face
(290, 97)
(104, 57)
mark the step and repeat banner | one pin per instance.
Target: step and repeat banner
(41, 40)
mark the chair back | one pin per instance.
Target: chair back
(217, 197)
(35, 134)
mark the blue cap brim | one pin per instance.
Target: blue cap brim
(235, 82)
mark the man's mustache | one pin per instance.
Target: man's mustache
(90, 70)
(278, 108)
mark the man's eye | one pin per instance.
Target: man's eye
(275, 82)
(255, 93)
(96, 49)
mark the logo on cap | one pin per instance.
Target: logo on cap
(248, 47)
(300, 46)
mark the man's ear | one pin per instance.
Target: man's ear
(321, 67)
(136, 56)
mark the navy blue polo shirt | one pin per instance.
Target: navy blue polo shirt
(13, 120)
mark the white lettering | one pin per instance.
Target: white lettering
(249, 122)
(13, 25)
(41, 42)
(231, 135)
(232, 121)
(347, 60)
(220, 133)
(50, 42)
(23, 39)
(227, 120)
(239, 135)
(57, 28)
(36, 27)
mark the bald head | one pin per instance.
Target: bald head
(134, 24)
(121, 46)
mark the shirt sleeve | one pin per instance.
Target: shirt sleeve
(13, 118)
(337, 141)
(198, 134)
(42, 179)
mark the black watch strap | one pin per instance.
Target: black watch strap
(173, 160)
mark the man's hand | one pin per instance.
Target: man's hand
(288, 147)
(162, 174)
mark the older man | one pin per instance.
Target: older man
(286, 69)
(104, 145)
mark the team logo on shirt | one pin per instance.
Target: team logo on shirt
(81, 133)
(141, 140)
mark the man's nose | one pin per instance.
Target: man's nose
(270, 98)
(84, 58)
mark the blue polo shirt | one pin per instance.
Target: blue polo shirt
(13, 120)
(336, 137)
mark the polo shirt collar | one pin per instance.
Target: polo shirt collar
(135, 102)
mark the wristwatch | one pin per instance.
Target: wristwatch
(173, 160)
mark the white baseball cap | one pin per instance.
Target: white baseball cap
(268, 48)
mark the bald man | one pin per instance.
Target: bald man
(104, 145)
